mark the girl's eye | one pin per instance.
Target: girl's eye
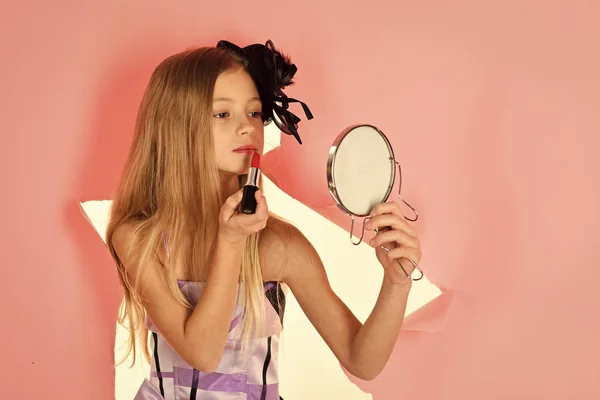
(256, 114)
(222, 115)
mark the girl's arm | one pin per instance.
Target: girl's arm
(199, 335)
(362, 349)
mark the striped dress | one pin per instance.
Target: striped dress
(256, 378)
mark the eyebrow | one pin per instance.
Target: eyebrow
(229, 100)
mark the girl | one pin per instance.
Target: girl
(206, 280)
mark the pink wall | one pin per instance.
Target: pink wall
(492, 109)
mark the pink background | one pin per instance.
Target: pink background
(492, 110)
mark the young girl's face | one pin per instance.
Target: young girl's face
(236, 121)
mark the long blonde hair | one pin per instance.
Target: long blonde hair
(170, 189)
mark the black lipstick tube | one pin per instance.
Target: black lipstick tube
(248, 203)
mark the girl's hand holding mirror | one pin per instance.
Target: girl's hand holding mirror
(395, 234)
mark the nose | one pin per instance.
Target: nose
(245, 127)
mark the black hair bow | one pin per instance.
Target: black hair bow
(271, 72)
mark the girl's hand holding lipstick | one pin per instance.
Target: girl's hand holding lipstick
(234, 226)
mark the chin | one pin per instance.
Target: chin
(238, 168)
(233, 172)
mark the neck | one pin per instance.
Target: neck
(229, 185)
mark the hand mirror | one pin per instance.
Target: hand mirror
(361, 172)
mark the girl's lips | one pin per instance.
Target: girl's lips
(245, 149)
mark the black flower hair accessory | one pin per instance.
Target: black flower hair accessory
(271, 72)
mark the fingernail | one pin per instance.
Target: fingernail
(372, 242)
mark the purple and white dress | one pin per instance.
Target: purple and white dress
(256, 378)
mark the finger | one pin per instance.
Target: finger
(262, 210)
(394, 236)
(261, 207)
(251, 221)
(230, 206)
(390, 220)
(390, 207)
(409, 253)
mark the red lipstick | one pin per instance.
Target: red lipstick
(248, 204)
